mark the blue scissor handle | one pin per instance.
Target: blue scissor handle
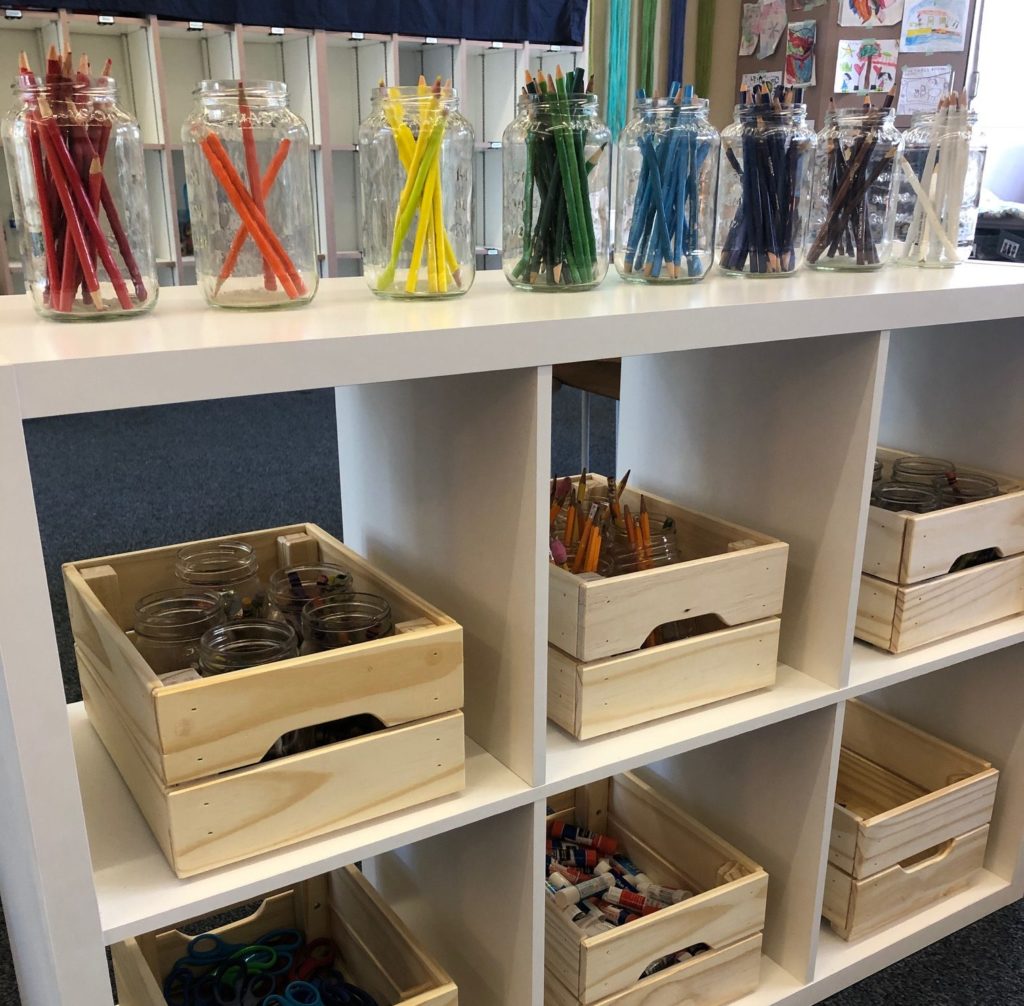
(296, 994)
(209, 948)
(283, 940)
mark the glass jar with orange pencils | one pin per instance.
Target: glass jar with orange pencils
(416, 180)
(250, 196)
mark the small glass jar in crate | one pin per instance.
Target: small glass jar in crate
(416, 180)
(667, 178)
(170, 623)
(228, 568)
(944, 158)
(78, 183)
(250, 196)
(856, 178)
(555, 163)
(764, 189)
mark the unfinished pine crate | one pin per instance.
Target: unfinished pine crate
(190, 750)
(673, 849)
(378, 953)
(909, 597)
(910, 823)
(731, 579)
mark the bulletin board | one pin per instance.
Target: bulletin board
(829, 34)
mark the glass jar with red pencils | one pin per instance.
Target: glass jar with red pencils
(250, 196)
(78, 183)
(764, 185)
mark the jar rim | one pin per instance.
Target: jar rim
(669, 105)
(259, 638)
(29, 83)
(282, 588)
(411, 93)
(211, 563)
(794, 110)
(320, 611)
(167, 613)
(537, 101)
(226, 88)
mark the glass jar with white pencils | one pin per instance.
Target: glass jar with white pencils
(943, 161)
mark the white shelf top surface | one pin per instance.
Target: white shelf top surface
(137, 890)
(185, 351)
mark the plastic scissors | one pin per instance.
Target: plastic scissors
(315, 956)
(335, 991)
(296, 994)
(209, 948)
(244, 990)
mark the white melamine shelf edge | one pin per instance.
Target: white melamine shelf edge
(840, 964)
(871, 668)
(572, 763)
(184, 351)
(137, 891)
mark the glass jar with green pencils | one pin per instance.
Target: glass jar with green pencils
(856, 175)
(416, 180)
(555, 165)
(667, 178)
(764, 186)
(250, 196)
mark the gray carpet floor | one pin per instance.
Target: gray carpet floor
(118, 481)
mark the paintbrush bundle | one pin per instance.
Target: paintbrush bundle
(416, 176)
(942, 163)
(667, 174)
(555, 162)
(247, 165)
(764, 183)
(75, 160)
(853, 206)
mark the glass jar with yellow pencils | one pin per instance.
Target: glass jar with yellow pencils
(416, 180)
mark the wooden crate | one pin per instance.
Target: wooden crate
(190, 751)
(909, 597)
(910, 822)
(673, 849)
(378, 952)
(599, 680)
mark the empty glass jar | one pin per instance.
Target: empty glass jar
(170, 623)
(250, 195)
(416, 179)
(78, 185)
(906, 497)
(667, 179)
(292, 588)
(922, 471)
(555, 179)
(941, 188)
(331, 622)
(230, 569)
(853, 201)
(764, 190)
(249, 643)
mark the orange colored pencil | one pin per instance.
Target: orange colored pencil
(570, 525)
(581, 549)
(252, 169)
(645, 522)
(630, 531)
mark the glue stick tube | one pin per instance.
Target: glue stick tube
(665, 895)
(632, 873)
(573, 833)
(578, 857)
(634, 902)
(573, 895)
(571, 873)
(574, 913)
(619, 916)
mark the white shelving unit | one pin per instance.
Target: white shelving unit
(761, 402)
(330, 76)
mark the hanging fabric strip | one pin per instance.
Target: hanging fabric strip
(618, 65)
(645, 63)
(676, 39)
(705, 44)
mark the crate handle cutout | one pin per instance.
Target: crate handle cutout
(923, 860)
(319, 735)
(979, 557)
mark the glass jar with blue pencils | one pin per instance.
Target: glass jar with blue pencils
(416, 180)
(764, 185)
(555, 209)
(667, 178)
(856, 175)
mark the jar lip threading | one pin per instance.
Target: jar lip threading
(225, 89)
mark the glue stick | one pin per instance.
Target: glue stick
(573, 833)
(573, 895)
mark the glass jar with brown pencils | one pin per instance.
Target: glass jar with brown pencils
(764, 186)
(667, 177)
(555, 210)
(856, 178)
(78, 183)
(250, 196)
(416, 180)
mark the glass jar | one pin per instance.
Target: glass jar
(913, 470)
(555, 207)
(291, 588)
(662, 551)
(418, 237)
(667, 179)
(853, 198)
(966, 488)
(229, 568)
(331, 622)
(944, 158)
(764, 190)
(239, 645)
(900, 497)
(78, 185)
(170, 623)
(247, 159)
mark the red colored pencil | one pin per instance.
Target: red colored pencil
(252, 169)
